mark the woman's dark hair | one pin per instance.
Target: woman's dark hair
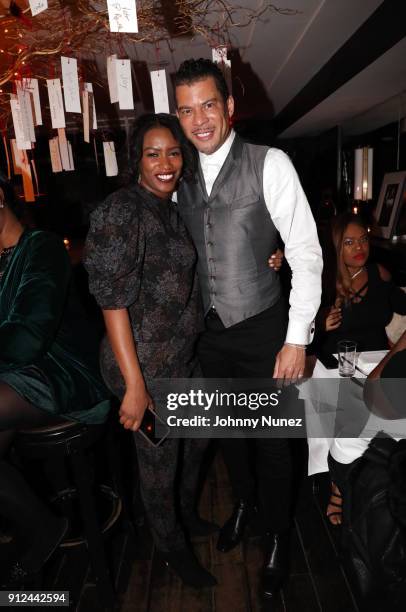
(193, 70)
(16, 206)
(148, 122)
(338, 228)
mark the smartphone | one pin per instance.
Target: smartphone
(328, 360)
(147, 428)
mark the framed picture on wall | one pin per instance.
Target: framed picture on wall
(387, 209)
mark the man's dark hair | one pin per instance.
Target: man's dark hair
(193, 70)
(148, 122)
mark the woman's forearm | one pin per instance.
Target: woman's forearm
(122, 342)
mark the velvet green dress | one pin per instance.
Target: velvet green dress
(48, 352)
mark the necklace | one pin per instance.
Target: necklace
(352, 276)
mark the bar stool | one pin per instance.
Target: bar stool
(70, 440)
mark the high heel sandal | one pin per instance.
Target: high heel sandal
(335, 501)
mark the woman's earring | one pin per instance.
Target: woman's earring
(1, 203)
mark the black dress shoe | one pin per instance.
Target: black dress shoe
(276, 566)
(187, 567)
(233, 529)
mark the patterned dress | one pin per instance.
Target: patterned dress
(139, 256)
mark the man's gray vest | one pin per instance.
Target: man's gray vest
(234, 235)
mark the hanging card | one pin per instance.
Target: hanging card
(110, 159)
(160, 91)
(37, 6)
(122, 15)
(55, 155)
(219, 56)
(7, 157)
(32, 86)
(89, 87)
(124, 84)
(56, 103)
(70, 84)
(35, 175)
(16, 156)
(27, 120)
(112, 78)
(86, 118)
(70, 157)
(28, 185)
(18, 124)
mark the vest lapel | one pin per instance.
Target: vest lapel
(227, 167)
(202, 182)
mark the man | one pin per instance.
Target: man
(244, 195)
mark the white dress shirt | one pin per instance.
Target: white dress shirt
(290, 212)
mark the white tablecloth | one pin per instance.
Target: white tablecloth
(344, 450)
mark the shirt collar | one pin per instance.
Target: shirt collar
(218, 157)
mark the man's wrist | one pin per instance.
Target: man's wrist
(299, 346)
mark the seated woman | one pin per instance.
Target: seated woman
(48, 368)
(360, 300)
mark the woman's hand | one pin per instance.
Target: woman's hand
(333, 318)
(275, 261)
(135, 402)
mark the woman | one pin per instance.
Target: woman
(365, 300)
(47, 366)
(141, 266)
(363, 294)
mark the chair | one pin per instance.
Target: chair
(70, 440)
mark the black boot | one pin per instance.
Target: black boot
(187, 567)
(233, 529)
(276, 566)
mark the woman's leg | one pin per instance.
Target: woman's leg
(37, 529)
(157, 471)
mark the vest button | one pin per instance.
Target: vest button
(212, 277)
(208, 225)
(209, 244)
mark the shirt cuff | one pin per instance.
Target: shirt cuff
(300, 333)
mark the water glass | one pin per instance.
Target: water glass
(347, 355)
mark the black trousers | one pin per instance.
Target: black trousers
(248, 350)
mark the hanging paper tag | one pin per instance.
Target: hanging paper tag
(110, 159)
(37, 6)
(160, 91)
(31, 85)
(86, 118)
(7, 157)
(122, 15)
(124, 84)
(70, 84)
(63, 149)
(27, 120)
(70, 157)
(35, 180)
(112, 78)
(55, 155)
(18, 124)
(28, 186)
(89, 88)
(56, 103)
(16, 156)
(219, 55)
